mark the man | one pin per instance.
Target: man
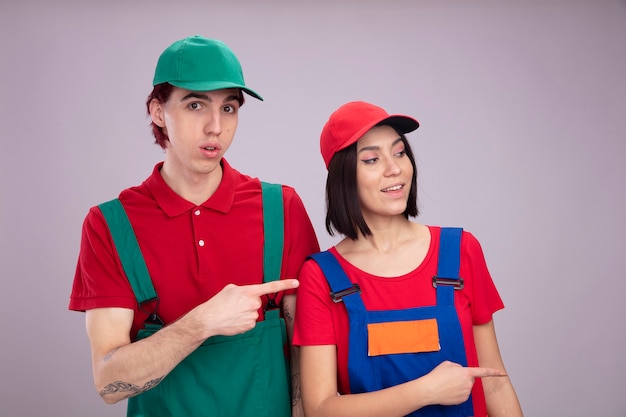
(196, 345)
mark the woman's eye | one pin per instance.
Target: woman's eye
(399, 152)
(369, 161)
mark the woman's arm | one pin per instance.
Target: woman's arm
(500, 395)
(447, 384)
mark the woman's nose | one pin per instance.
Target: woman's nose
(392, 167)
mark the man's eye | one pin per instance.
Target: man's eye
(194, 106)
(229, 109)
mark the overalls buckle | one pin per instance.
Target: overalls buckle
(153, 318)
(338, 296)
(457, 283)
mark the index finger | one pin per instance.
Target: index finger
(479, 372)
(274, 286)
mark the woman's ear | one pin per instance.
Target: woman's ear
(156, 112)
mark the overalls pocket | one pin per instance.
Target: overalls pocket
(408, 336)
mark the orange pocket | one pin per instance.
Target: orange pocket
(403, 337)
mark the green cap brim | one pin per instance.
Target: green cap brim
(212, 86)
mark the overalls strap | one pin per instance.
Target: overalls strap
(448, 265)
(273, 230)
(341, 288)
(273, 240)
(128, 250)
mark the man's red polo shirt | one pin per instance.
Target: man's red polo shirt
(191, 251)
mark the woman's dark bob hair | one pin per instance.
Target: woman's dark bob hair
(343, 208)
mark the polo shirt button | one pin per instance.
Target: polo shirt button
(201, 242)
(197, 212)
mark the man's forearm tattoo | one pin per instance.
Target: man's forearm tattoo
(108, 356)
(296, 394)
(129, 389)
(287, 314)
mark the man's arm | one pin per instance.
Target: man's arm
(289, 312)
(123, 369)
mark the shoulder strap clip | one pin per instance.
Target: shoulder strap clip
(456, 283)
(338, 296)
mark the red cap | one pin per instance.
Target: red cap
(352, 120)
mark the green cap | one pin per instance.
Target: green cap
(200, 64)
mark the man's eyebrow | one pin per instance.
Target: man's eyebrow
(201, 96)
(234, 97)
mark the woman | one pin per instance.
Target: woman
(387, 323)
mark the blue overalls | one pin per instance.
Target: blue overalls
(377, 364)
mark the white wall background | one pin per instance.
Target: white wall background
(522, 105)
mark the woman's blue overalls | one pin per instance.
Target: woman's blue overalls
(375, 371)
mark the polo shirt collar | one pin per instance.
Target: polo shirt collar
(174, 205)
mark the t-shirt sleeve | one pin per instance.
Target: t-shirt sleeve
(300, 238)
(485, 299)
(314, 323)
(99, 280)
